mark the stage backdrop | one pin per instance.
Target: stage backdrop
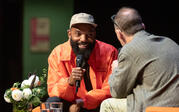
(45, 26)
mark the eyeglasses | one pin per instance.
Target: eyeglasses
(112, 18)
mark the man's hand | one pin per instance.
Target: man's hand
(114, 64)
(77, 74)
(74, 108)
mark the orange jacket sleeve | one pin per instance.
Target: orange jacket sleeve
(57, 78)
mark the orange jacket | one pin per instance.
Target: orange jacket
(62, 60)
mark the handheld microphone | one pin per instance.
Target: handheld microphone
(79, 61)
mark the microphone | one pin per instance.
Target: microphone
(79, 61)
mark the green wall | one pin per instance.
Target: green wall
(59, 13)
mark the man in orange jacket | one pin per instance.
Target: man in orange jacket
(93, 74)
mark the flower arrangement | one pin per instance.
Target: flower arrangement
(28, 94)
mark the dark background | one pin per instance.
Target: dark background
(160, 18)
(10, 47)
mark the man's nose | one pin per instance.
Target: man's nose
(83, 38)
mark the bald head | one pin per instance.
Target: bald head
(129, 20)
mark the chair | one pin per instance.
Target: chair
(162, 109)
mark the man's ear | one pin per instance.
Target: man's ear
(69, 33)
(120, 36)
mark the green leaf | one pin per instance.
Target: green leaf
(16, 85)
(35, 101)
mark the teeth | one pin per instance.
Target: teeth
(82, 46)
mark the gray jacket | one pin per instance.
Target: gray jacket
(148, 73)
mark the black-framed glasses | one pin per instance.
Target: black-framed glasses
(112, 18)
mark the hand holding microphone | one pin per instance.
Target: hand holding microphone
(77, 73)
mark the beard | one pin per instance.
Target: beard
(85, 52)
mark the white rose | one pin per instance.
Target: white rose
(17, 95)
(27, 92)
(25, 83)
(6, 98)
(36, 80)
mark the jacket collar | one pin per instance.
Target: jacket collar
(141, 34)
